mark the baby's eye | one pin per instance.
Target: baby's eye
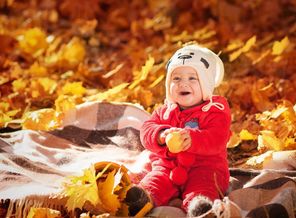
(176, 78)
(193, 78)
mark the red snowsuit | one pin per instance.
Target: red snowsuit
(208, 173)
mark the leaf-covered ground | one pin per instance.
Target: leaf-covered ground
(57, 54)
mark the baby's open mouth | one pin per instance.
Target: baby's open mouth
(184, 93)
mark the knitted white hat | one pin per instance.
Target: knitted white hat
(206, 63)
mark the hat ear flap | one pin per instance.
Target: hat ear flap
(219, 71)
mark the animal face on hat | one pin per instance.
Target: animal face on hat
(206, 63)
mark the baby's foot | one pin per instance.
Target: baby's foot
(199, 205)
(136, 199)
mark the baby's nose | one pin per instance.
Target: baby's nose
(184, 83)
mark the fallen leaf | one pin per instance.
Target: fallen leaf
(279, 46)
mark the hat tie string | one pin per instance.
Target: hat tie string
(207, 107)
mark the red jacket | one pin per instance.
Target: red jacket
(210, 132)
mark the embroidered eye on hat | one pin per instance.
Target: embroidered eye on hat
(206, 63)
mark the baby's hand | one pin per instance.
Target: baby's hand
(183, 142)
(163, 134)
(186, 138)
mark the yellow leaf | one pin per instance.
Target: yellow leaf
(43, 213)
(157, 81)
(278, 111)
(246, 135)
(159, 22)
(74, 88)
(181, 37)
(110, 200)
(249, 44)
(279, 46)
(73, 53)
(235, 55)
(140, 76)
(35, 93)
(290, 143)
(64, 103)
(4, 118)
(269, 140)
(33, 41)
(13, 112)
(81, 189)
(37, 70)
(105, 95)
(290, 116)
(44, 119)
(123, 211)
(112, 72)
(49, 85)
(234, 141)
(19, 85)
(4, 106)
(144, 96)
(236, 44)
(148, 206)
(5, 115)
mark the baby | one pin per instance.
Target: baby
(198, 173)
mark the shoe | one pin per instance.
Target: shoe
(199, 205)
(136, 198)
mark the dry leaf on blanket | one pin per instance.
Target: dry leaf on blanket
(101, 189)
(81, 189)
(107, 193)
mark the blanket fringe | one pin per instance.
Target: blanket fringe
(20, 208)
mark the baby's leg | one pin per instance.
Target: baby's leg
(206, 182)
(159, 186)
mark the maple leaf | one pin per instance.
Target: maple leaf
(81, 189)
(102, 185)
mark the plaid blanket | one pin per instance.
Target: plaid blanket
(33, 164)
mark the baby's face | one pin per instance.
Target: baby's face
(185, 87)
